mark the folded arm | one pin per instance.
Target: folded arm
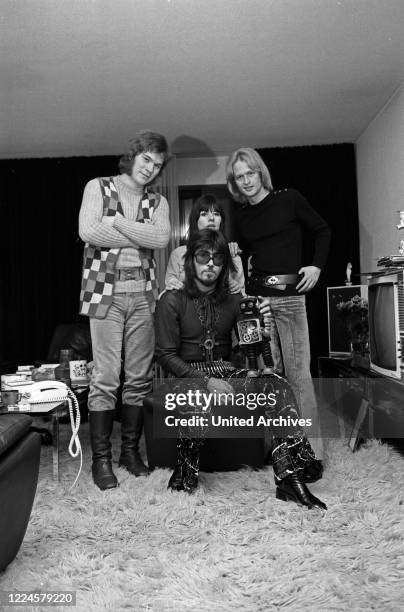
(93, 226)
(153, 235)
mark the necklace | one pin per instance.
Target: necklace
(208, 314)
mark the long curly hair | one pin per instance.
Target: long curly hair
(207, 239)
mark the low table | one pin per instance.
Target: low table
(55, 410)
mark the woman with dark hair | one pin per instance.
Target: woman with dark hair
(206, 213)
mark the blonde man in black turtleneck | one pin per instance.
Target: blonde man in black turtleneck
(270, 227)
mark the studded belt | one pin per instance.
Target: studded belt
(125, 274)
(274, 279)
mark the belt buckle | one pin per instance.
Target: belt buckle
(130, 274)
(271, 280)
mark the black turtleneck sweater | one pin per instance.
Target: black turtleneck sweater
(272, 232)
(180, 329)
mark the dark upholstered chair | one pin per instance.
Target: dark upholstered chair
(74, 336)
(20, 451)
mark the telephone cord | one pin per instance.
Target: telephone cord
(74, 444)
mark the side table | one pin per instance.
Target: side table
(358, 394)
(55, 410)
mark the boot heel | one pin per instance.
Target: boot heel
(282, 495)
(292, 488)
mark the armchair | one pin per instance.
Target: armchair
(19, 466)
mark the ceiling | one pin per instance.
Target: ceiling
(80, 77)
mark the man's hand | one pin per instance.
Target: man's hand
(309, 280)
(249, 266)
(264, 306)
(265, 311)
(234, 286)
(234, 249)
(218, 385)
(174, 283)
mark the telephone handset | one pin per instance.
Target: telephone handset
(47, 391)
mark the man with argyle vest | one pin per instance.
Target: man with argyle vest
(121, 222)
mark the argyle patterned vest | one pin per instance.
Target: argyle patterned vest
(99, 262)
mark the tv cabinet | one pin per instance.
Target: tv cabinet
(351, 392)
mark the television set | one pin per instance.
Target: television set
(386, 322)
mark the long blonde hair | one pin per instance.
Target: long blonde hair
(253, 161)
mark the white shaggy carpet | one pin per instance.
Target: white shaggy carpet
(231, 546)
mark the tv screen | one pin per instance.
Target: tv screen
(382, 326)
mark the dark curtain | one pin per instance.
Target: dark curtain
(326, 176)
(41, 251)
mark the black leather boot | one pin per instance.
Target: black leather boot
(292, 488)
(101, 424)
(313, 471)
(191, 466)
(131, 431)
(176, 482)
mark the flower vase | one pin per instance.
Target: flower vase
(355, 315)
(359, 334)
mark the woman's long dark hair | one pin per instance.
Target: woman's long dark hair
(207, 239)
(205, 202)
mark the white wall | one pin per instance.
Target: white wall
(201, 170)
(380, 173)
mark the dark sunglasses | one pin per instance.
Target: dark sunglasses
(204, 257)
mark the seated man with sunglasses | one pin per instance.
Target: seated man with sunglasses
(193, 329)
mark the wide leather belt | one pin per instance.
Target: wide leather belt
(274, 279)
(125, 274)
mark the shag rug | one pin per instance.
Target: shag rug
(229, 547)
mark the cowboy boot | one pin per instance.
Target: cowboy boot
(176, 482)
(312, 468)
(131, 431)
(292, 488)
(191, 475)
(313, 471)
(101, 425)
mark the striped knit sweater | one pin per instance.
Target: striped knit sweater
(124, 235)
